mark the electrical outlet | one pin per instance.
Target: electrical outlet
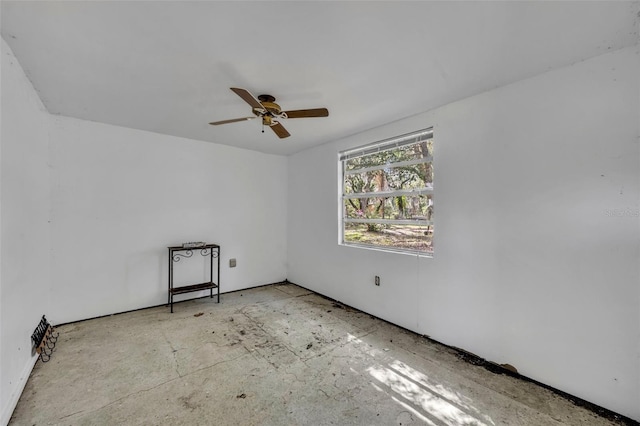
(377, 280)
(232, 263)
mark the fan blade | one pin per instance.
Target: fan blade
(280, 131)
(233, 120)
(304, 113)
(247, 97)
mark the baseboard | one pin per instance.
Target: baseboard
(166, 305)
(7, 410)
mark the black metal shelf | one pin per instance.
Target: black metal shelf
(176, 253)
(193, 287)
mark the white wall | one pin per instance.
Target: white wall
(88, 210)
(25, 237)
(537, 231)
(121, 196)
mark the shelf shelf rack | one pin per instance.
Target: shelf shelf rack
(176, 253)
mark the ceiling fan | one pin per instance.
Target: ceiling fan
(270, 112)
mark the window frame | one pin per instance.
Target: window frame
(370, 149)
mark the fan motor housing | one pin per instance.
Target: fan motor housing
(272, 107)
(268, 102)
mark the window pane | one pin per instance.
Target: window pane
(408, 237)
(406, 177)
(420, 150)
(415, 207)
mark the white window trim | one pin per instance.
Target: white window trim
(384, 145)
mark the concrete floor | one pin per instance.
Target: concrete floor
(274, 355)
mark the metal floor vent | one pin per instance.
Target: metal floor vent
(44, 339)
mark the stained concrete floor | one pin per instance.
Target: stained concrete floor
(273, 355)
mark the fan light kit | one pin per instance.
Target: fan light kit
(266, 108)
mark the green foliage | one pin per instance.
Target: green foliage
(388, 171)
(415, 238)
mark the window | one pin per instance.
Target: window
(387, 194)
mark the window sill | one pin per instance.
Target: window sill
(416, 253)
